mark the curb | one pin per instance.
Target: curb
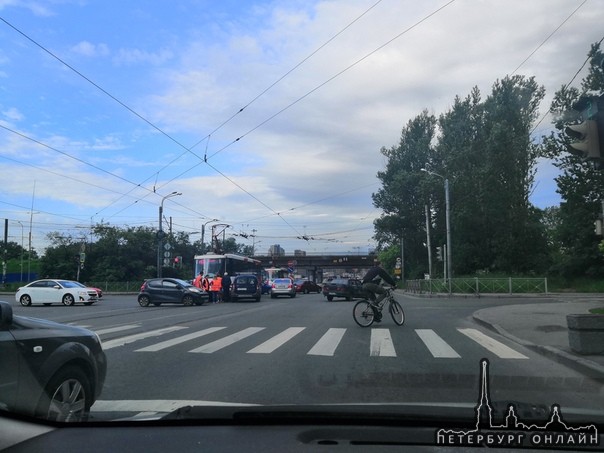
(585, 366)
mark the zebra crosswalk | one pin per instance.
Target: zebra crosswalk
(381, 342)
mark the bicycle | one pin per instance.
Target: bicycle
(365, 312)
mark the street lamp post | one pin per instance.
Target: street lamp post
(203, 232)
(160, 233)
(448, 222)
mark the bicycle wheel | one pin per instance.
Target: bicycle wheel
(363, 313)
(396, 311)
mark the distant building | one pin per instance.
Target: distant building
(276, 250)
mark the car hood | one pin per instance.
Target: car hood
(25, 327)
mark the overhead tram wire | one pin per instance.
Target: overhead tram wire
(314, 52)
(187, 150)
(97, 86)
(347, 68)
(253, 129)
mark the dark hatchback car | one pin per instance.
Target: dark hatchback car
(48, 370)
(347, 288)
(159, 291)
(306, 286)
(245, 287)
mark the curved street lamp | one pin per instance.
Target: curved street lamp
(203, 232)
(160, 232)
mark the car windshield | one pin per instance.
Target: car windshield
(412, 192)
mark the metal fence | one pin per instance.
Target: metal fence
(117, 287)
(477, 286)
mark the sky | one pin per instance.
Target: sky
(267, 116)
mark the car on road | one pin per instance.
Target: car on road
(347, 288)
(55, 291)
(245, 287)
(157, 291)
(49, 370)
(283, 287)
(306, 286)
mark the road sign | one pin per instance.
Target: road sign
(167, 254)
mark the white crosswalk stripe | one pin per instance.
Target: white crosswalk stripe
(227, 341)
(278, 340)
(499, 349)
(438, 347)
(328, 343)
(179, 340)
(139, 336)
(381, 343)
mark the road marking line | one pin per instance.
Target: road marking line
(278, 340)
(499, 349)
(166, 344)
(328, 343)
(116, 329)
(139, 336)
(381, 343)
(438, 347)
(227, 341)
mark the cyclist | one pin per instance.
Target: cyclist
(372, 280)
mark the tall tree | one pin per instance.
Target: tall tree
(404, 192)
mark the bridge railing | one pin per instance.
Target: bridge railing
(478, 285)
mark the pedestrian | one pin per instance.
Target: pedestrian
(216, 288)
(197, 281)
(206, 285)
(226, 287)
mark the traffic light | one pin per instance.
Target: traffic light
(178, 262)
(589, 134)
(439, 253)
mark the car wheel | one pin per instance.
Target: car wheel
(329, 298)
(143, 301)
(306, 291)
(187, 300)
(25, 300)
(273, 296)
(68, 396)
(68, 299)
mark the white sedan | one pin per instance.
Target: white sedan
(47, 291)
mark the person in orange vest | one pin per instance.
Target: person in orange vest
(197, 281)
(206, 285)
(217, 289)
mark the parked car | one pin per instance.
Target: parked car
(49, 370)
(99, 291)
(245, 286)
(159, 291)
(283, 287)
(306, 286)
(50, 291)
(347, 288)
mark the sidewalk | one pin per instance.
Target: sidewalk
(542, 327)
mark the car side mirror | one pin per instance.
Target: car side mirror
(6, 314)
(56, 287)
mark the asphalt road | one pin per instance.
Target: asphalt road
(308, 351)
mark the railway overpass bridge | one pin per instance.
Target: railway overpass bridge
(314, 266)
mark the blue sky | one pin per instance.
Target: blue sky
(255, 111)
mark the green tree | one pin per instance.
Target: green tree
(404, 193)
